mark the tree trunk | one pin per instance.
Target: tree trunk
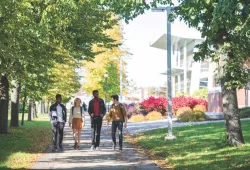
(30, 111)
(234, 135)
(34, 110)
(24, 101)
(4, 104)
(15, 94)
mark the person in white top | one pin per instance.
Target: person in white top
(77, 120)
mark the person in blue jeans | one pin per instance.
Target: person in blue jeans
(118, 115)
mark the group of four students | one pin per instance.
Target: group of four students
(97, 110)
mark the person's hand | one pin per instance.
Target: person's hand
(55, 123)
(101, 115)
(92, 114)
(83, 124)
(125, 125)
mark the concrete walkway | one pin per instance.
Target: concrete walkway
(105, 159)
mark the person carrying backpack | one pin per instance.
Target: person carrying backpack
(77, 120)
(118, 115)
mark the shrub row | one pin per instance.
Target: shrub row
(160, 104)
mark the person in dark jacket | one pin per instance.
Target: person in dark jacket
(96, 111)
(58, 117)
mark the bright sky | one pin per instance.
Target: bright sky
(147, 62)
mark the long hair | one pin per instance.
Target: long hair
(76, 99)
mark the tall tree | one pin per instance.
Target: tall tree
(107, 61)
(37, 34)
(226, 26)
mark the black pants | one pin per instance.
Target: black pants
(58, 129)
(96, 125)
(118, 125)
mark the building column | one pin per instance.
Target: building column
(173, 86)
(178, 54)
(185, 65)
(179, 83)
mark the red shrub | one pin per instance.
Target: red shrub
(183, 101)
(161, 104)
(155, 104)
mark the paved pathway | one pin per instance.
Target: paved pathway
(105, 159)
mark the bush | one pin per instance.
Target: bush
(154, 116)
(155, 104)
(244, 112)
(200, 108)
(137, 118)
(182, 101)
(182, 110)
(198, 116)
(185, 114)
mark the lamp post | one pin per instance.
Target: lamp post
(169, 67)
(105, 86)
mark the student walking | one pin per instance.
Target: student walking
(96, 111)
(77, 119)
(118, 116)
(58, 117)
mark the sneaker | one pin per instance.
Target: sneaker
(75, 145)
(92, 147)
(120, 149)
(60, 147)
(97, 148)
(113, 147)
(54, 149)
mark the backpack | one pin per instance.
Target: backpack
(72, 109)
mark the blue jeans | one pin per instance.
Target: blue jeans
(118, 125)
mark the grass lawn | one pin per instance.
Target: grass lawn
(197, 147)
(23, 145)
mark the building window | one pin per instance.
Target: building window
(203, 82)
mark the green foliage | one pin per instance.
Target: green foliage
(244, 112)
(197, 147)
(226, 25)
(201, 93)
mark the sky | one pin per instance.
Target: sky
(147, 62)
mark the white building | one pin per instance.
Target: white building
(187, 75)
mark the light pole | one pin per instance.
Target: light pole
(169, 67)
(105, 86)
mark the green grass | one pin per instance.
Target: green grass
(198, 147)
(24, 144)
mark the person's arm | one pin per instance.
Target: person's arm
(89, 109)
(125, 116)
(83, 117)
(109, 117)
(70, 117)
(65, 114)
(50, 113)
(104, 108)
